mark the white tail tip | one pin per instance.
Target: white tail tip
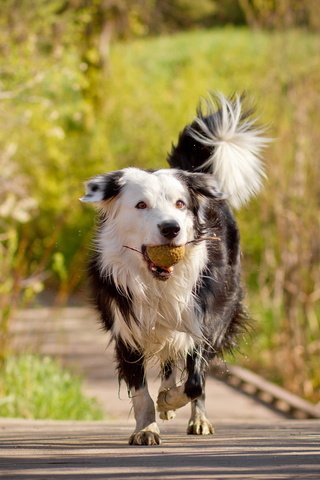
(236, 144)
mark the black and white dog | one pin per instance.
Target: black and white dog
(184, 315)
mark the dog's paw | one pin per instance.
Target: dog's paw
(200, 425)
(149, 435)
(145, 437)
(167, 415)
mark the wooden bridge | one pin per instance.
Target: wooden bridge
(251, 439)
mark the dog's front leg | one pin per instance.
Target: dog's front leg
(146, 431)
(175, 397)
(198, 423)
(131, 369)
(168, 381)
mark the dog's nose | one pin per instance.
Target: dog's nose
(169, 229)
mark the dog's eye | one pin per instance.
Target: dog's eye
(141, 205)
(180, 204)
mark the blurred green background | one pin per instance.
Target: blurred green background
(91, 86)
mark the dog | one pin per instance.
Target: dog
(181, 315)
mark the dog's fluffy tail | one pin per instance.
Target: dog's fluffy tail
(225, 141)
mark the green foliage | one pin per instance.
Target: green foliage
(16, 209)
(38, 388)
(64, 117)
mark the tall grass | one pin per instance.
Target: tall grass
(66, 121)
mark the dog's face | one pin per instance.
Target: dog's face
(152, 208)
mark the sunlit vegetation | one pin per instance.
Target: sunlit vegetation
(35, 387)
(70, 110)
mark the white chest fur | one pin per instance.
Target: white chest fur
(166, 324)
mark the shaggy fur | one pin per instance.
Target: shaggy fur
(181, 316)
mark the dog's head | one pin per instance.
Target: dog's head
(141, 208)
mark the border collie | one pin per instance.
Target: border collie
(181, 316)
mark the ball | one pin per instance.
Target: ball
(165, 255)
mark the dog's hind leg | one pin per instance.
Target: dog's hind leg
(131, 369)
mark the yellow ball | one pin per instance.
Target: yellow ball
(165, 255)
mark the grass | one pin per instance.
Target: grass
(73, 122)
(36, 387)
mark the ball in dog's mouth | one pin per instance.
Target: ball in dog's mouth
(162, 258)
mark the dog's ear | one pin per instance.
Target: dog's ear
(202, 185)
(103, 187)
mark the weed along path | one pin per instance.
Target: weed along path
(250, 441)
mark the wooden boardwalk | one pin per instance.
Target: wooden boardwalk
(98, 451)
(251, 441)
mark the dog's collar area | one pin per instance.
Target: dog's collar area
(160, 273)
